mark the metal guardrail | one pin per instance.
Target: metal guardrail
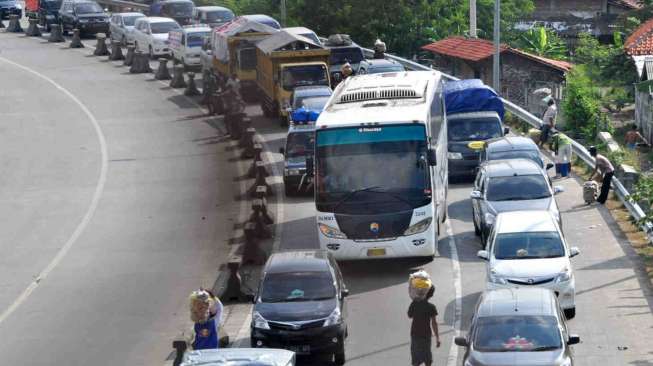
(125, 4)
(633, 208)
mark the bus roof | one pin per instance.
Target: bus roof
(381, 98)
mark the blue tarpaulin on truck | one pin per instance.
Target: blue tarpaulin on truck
(471, 95)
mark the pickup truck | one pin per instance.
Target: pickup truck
(474, 115)
(284, 62)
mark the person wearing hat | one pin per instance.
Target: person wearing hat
(424, 321)
(606, 169)
(379, 50)
(205, 312)
(346, 70)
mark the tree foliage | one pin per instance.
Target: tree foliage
(543, 42)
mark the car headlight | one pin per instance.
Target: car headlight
(563, 276)
(454, 155)
(334, 318)
(489, 219)
(83, 20)
(331, 232)
(258, 321)
(495, 278)
(420, 227)
(293, 172)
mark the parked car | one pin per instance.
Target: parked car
(300, 143)
(510, 185)
(512, 147)
(518, 326)
(263, 19)
(300, 305)
(186, 44)
(213, 16)
(378, 66)
(527, 248)
(151, 35)
(300, 93)
(305, 32)
(10, 7)
(122, 27)
(179, 10)
(85, 15)
(48, 13)
(239, 356)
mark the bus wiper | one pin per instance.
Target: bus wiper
(351, 193)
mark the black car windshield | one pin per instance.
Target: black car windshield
(473, 129)
(300, 144)
(196, 39)
(393, 158)
(219, 16)
(158, 28)
(380, 69)
(516, 334)
(295, 76)
(88, 8)
(52, 5)
(533, 155)
(297, 286)
(518, 188)
(180, 9)
(528, 245)
(338, 56)
(131, 19)
(311, 103)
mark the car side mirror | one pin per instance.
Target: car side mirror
(573, 251)
(282, 150)
(483, 254)
(506, 130)
(462, 341)
(309, 166)
(573, 339)
(558, 189)
(549, 166)
(344, 292)
(476, 195)
(432, 157)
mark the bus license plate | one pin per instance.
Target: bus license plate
(376, 252)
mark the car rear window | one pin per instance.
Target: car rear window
(518, 188)
(528, 245)
(517, 334)
(533, 155)
(297, 286)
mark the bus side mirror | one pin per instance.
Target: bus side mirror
(432, 157)
(309, 166)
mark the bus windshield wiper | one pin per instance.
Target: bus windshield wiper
(351, 193)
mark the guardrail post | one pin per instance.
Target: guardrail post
(33, 29)
(177, 81)
(101, 45)
(191, 88)
(56, 34)
(162, 72)
(116, 51)
(14, 24)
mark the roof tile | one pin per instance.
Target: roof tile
(640, 42)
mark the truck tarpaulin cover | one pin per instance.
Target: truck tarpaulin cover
(236, 27)
(471, 95)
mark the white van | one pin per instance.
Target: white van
(186, 44)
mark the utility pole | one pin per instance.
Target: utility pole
(496, 71)
(283, 13)
(472, 19)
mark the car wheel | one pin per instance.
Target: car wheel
(570, 313)
(339, 357)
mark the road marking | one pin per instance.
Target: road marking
(243, 335)
(455, 265)
(99, 188)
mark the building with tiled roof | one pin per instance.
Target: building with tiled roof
(639, 45)
(521, 72)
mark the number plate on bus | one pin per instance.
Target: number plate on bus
(376, 252)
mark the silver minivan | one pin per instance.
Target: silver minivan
(518, 326)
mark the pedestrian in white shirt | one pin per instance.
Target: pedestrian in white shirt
(548, 121)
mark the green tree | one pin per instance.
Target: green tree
(543, 42)
(581, 103)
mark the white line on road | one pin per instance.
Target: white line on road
(455, 265)
(99, 188)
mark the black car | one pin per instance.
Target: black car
(300, 305)
(10, 7)
(85, 15)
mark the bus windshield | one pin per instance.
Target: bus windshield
(295, 76)
(393, 158)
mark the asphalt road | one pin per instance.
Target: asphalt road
(116, 200)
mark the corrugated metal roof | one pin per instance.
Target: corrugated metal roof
(284, 40)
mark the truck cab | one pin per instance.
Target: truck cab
(300, 144)
(186, 44)
(179, 10)
(214, 16)
(343, 50)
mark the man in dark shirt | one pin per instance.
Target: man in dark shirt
(424, 316)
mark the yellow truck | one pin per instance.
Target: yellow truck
(233, 49)
(286, 61)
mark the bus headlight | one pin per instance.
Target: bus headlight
(420, 227)
(331, 232)
(454, 155)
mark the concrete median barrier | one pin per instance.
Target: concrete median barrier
(2, 24)
(177, 81)
(260, 187)
(261, 219)
(234, 289)
(33, 29)
(247, 143)
(191, 88)
(76, 42)
(162, 72)
(140, 64)
(101, 45)
(236, 124)
(129, 58)
(116, 51)
(258, 150)
(252, 252)
(14, 24)
(56, 34)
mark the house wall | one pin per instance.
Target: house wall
(644, 112)
(547, 9)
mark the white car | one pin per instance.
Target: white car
(186, 44)
(151, 35)
(527, 248)
(121, 27)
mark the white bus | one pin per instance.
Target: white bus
(381, 166)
